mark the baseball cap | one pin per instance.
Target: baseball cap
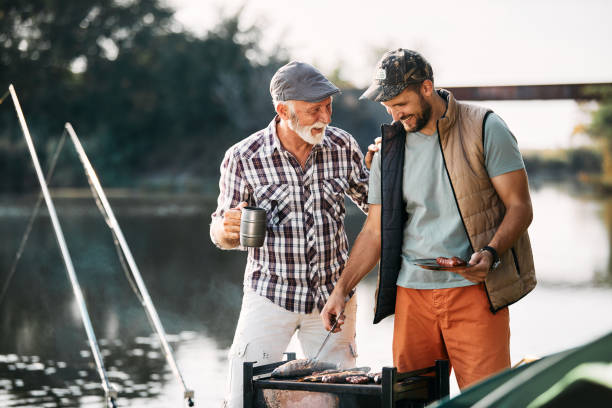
(301, 82)
(394, 72)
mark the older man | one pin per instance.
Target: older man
(299, 170)
(449, 181)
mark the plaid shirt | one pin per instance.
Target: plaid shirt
(306, 246)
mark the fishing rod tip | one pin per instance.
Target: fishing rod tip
(5, 95)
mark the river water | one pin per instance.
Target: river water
(45, 360)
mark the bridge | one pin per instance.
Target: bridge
(595, 91)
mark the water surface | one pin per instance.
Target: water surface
(45, 359)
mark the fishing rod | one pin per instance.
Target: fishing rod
(109, 391)
(142, 293)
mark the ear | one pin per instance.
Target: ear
(427, 88)
(282, 110)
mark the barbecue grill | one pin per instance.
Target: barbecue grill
(413, 389)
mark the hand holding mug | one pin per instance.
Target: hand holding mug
(231, 223)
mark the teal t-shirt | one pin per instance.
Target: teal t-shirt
(434, 227)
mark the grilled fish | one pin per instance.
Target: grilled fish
(301, 367)
(376, 377)
(318, 376)
(342, 376)
(357, 379)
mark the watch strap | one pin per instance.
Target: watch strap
(493, 252)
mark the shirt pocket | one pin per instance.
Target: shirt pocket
(332, 196)
(277, 201)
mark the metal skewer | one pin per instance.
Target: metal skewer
(316, 357)
(110, 393)
(118, 235)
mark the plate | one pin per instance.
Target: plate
(432, 265)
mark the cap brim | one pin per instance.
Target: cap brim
(382, 93)
(320, 97)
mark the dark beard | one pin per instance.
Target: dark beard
(423, 117)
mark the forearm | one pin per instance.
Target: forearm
(219, 238)
(363, 257)
(515, 222)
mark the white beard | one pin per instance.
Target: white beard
(305, 131)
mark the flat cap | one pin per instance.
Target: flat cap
(394, 72)
(300, 82)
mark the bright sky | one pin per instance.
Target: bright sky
(469, 42)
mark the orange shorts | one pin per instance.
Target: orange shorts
(454, 324)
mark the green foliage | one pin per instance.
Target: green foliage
(560, 164)
(154, 106)
(144, 97)
(601, 125)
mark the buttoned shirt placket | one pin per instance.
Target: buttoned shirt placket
(306, 176)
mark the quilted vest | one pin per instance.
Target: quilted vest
(461, 139)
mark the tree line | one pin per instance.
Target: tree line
(149, 100)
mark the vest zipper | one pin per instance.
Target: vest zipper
(382, 211)
(459, 209)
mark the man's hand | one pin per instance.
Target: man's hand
(333, 310)
(480, 264)
(230, 231)
(373, 148)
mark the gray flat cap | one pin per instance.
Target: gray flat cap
(300, 82)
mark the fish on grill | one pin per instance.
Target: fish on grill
(341, 376)
(301, 367)
(318, 376)
(375, 377)
(357, 379)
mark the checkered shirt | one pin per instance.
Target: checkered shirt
(306, 246)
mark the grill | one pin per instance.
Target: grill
(413, 389)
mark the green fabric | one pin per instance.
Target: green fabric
(596, 373)
(519, 387)
(434, 227)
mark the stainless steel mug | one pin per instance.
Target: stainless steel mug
(252, 227)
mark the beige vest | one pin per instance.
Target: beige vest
(461, 134)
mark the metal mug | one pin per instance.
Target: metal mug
(252, 227)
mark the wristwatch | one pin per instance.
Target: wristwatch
(493, 252)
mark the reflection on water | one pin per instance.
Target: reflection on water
(570, 236)
(136, 370)
(197, 290)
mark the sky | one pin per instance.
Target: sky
(470, 42)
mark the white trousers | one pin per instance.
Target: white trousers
(265, 329)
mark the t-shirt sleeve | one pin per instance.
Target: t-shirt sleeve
(374, 190)
(501, 150)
